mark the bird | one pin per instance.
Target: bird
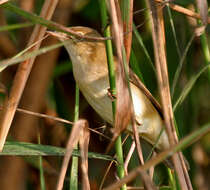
(90, 70)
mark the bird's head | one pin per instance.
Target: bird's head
(88, 56)
(80, 48)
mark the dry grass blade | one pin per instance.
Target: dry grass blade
(58, 119)
(162, 73)
(203, 10)
(22, 74)
(110, 165)
(84, 143)
(123, 108)
(128, 31)
(145, 177)
(128, 157)
(147, 180)
(74, 138)
(183, 10)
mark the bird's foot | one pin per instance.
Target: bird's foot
(111, 95)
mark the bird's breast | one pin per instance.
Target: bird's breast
(95, 87)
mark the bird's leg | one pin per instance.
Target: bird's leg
(111, 95)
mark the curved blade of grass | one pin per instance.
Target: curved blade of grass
(15, 26)
(13, 148)
(41, 169)
(188, 87)
(8, 62)
(173, 30)
(179, 68)
(139, 39)
(30, 16)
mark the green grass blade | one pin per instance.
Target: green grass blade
(206, 53)
(188, 87)
(41, 170)
(13, 148)
(17, 59)
(15, 26)
(173, 30)
(75, 161)
(140, 41)
(179, 68)
(112, 82)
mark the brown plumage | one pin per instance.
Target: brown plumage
(91, 74)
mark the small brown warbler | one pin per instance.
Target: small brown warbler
(91, 74)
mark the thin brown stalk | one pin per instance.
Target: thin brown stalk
(27, 5)
(128, 31)
(128, 157)
(32, 99)
(165, 72)
(203, 10)
(162, 74)
(84, 143)
(183, 10)
(105, 175)
(74, 137)
(22, 74)
(40, 115)
(147, 181)
(110, 165)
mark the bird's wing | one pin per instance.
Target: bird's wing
(137, 82)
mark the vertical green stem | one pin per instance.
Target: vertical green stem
(42, 181)
(74, 166)
(172, 180)
(111, 68)
(205, 47)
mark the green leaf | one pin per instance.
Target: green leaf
(13, 148)
(188, 87)
(15, 26)
(20, 58)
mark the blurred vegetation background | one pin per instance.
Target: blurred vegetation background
(51, 90)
